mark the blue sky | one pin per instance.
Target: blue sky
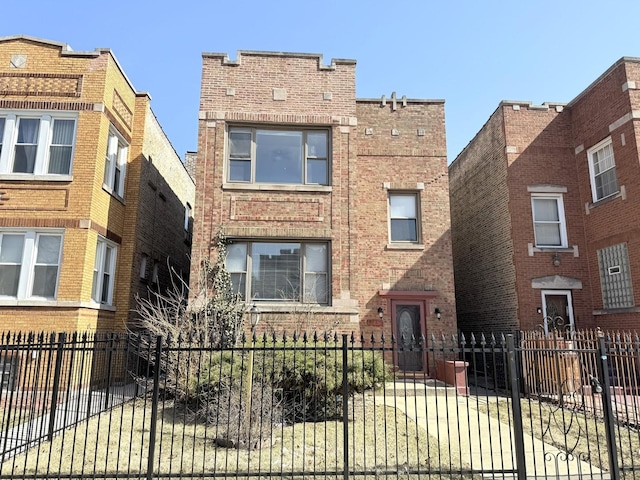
(470, 53)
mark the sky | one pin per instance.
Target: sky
(471, 53)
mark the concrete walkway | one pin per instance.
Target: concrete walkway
(480, 440)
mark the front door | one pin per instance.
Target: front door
(557, 310)
(409, 335)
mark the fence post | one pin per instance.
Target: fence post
(56, 385)
(345, 407)
(107, 392)
(603, 372)
(518, 431)
(154, 408)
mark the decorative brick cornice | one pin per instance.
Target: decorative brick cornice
(40, 84)
(278, 118)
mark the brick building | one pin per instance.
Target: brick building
(93, 195)
(544, 208)
(337, 208)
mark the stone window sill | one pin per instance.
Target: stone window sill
(12, 302)
(270, 187)
(613, 311)
(404, 246)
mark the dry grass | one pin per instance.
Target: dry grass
(12, 417)
(381, 439)
(573, 431)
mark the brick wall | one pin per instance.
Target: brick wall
(481, 224)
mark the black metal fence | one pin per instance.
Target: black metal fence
(333, 406)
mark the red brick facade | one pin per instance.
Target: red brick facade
(505, 278)
(376, 147)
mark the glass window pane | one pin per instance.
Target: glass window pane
(317, 144)
(402, 206)
(275, 271)
(28, 129)
(606, 183)
(240, 170)
(240, 144)
(44, 281)
(11, 248)
(25, 159)
(104, 296)
(403, 230)
(239, 284)
(548, 234)
(59, 160)
(317, 172)
(278, 156)
(63, 132)
(315, 288)
(9, 277)
(236, 257)
(316, 258)
(546, 210)
(1, 132)
(48, 249)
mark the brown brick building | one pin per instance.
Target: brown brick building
(337, 207)
(545, 202)
(93, 195)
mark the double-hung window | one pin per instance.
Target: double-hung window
(115, 163)
(104, 271)
(278, 156)
(548, 220)
(602, 169)
(280, 271)
(29, 264)
(403, 217)
(36, 143)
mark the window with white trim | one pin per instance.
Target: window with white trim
(29, 264)
(104, 271)
(33, 143)
(548, 220)
(187, 216)
(403, 217)
(280, 271)
(115, 163)
(257, 155)
(602, 170)
(615, 277)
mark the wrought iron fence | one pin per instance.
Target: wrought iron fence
(133, 405)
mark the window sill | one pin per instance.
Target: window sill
(27, 177)
(532, 250)
(12, 302)
(613, 311)
(404, 246)
(113, 194)
(298, 308)
(279, 187)
(620, 194)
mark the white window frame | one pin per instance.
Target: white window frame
(592, 176)
(100, 267)
(9, 138)
(28, 262)
(187, 215)
(416, 196)
(561, 219)
(115, 160)
(306, 154)
(301, 289)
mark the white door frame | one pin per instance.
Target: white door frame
(567, 293)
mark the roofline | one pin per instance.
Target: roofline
(66, 50)
(606, 73)
(258, 53)
(408, 100)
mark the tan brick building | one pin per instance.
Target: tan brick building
(545, 202)
(93, 195)
(337, 207)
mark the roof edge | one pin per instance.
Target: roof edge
(257, 53)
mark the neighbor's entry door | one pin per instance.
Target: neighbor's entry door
(557, 310)
(409, 333)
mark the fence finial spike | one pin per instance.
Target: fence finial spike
(295, 336)
(493, 340)
(473, 339)
(483, 340)
(463, 339)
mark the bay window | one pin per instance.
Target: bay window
(280, 271)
